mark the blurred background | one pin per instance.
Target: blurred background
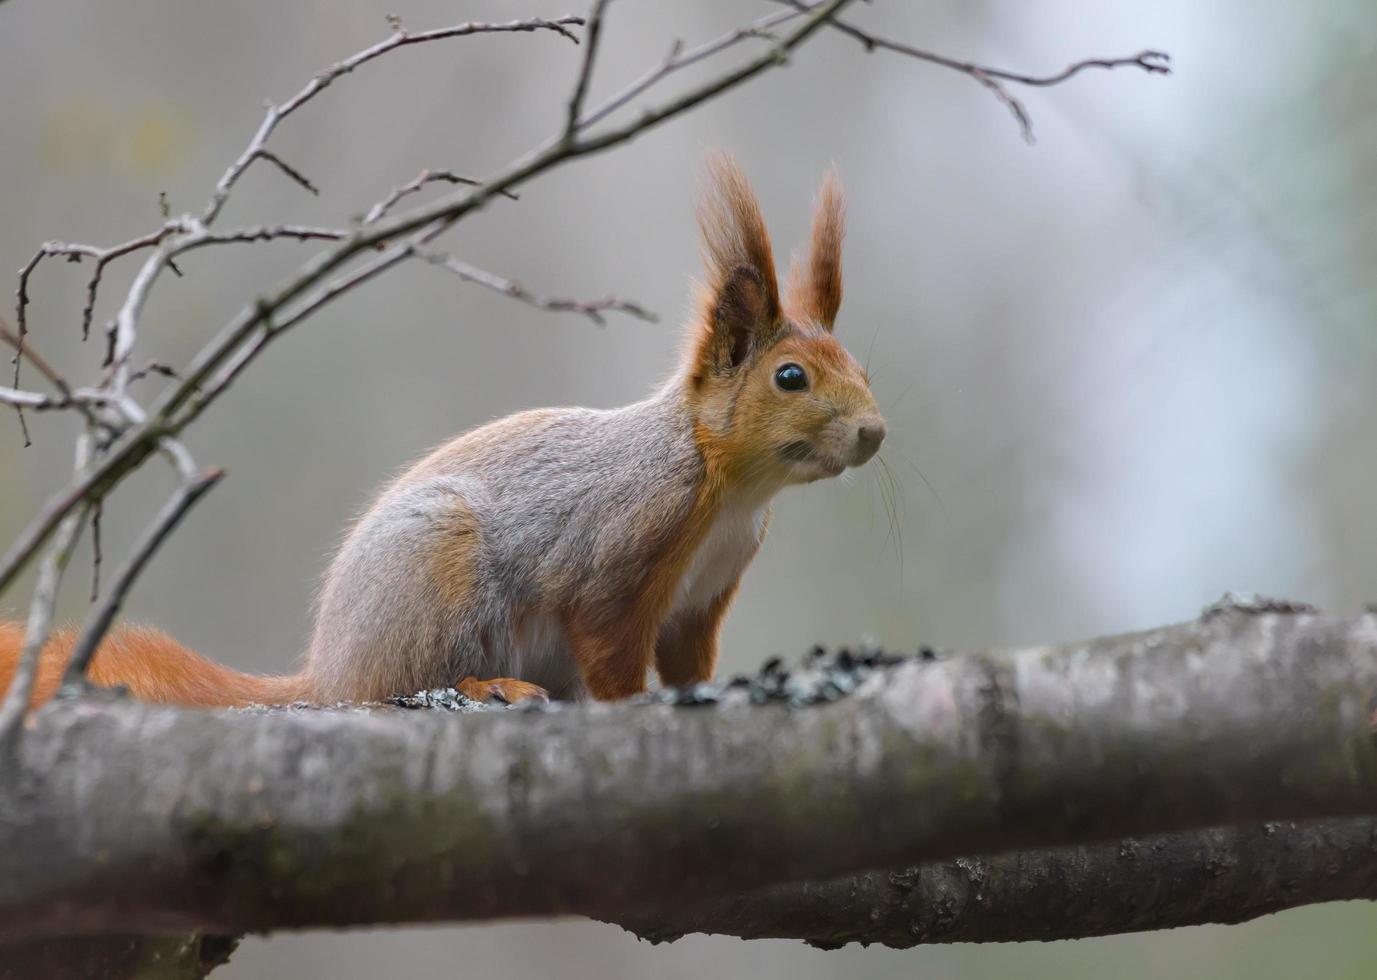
(1124, 369)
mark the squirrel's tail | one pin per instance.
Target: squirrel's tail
(155, 668)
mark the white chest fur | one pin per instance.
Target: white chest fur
(721, 557)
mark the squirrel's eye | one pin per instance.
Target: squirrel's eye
(791, 377)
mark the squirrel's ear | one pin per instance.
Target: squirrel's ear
(740, 309)
(814, 291)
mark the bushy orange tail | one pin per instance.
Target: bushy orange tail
(153, 666)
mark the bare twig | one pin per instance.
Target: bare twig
(85, 400)
(380, 209)
(154, 367)
(181, 501)
(75, 252)
(1152, 62)
(97, 556)
(679, 58)
(38, 401)
(16, 343)
(39, 625)
(40, 619)
(55, 378)
(585, 77)
(400, 38)
(287, 169)
(593, 309)
(193, 235)
(263, 233)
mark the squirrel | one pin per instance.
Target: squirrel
(568, 550)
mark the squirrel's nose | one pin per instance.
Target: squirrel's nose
(868, 437)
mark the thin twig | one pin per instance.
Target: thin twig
(74, 252)
(97, 512)
(678, 58)
(287, 169)
(585, 77)
(210, 388)
(77, 398)
(1152, 62)
(40, 620)
(593, 309)
(44, 368)
(380, 209)
(35, 400)
(154, 367)
(400, 38)
(39, 625)
(17, 344)
(181, 501)
(194, 235)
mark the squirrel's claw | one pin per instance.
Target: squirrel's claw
(501, 690)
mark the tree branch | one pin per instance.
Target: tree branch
(380, 209)
(121, 817)
(1222, 875)
(585, 77)
(1152, 62)
(593, 309)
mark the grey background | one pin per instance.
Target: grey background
(1133, 361)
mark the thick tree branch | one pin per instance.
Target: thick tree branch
(131, 957)
(1219, 875)
(118, 817)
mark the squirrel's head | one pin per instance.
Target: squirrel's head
(776, 398)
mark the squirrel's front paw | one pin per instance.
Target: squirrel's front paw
(501, 690)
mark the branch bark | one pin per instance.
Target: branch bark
(1222, 875)
(118, 817)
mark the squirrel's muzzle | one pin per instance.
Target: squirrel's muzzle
(869, 434)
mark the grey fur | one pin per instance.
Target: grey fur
(572, 505)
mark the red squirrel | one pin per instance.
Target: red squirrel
(565, 551)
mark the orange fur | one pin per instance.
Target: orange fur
(615, 647)
(453, 564)
(814, 290)
(686, 650)
(733, 229)
(501, 690)
(740, 286)
(153, 666)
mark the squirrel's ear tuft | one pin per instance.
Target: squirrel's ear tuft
(740, 307)
(814, 291)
